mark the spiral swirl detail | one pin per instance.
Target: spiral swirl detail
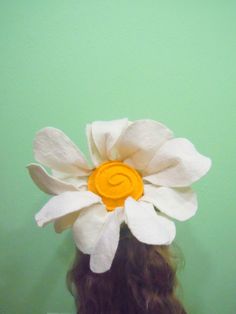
(114, 181)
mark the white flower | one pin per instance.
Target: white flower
(141, 176)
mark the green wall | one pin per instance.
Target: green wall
(64, 63)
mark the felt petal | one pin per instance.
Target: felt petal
(105, 249)
(80, 183)
(102, 139)
(48, 183)
(140, 141)
(63, 204)
(178, 203)
(66, 221)
(94, 153)
(177, 164)
(146, 225)
(54, 149)
(88, 226)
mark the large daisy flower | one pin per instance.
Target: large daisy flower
(141, 175)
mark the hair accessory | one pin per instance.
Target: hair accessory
(141, 175)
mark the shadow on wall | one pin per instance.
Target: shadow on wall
(194, 274)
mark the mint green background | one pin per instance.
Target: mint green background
(65, 63)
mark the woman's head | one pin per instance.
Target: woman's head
(140, 175)
(142, 280)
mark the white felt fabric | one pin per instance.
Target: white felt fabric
(64, 204)
(177, 164)
(54, 149)
(178, 203)
(88, 227)
(102, 139)
(80, 182)
(48, 183)
(146, 224)
(140, 141)
(94, 153)
(104, 251)
(64, 222)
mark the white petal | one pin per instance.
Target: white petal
(102, 139)
(178, 203)
(88, 227)
(104, 252)
(140, 141)
(48, 183)
(63, 204)
(66, 221)
(177, 164)
(80, 183)
(146, 225)
(94, 153)
(55, 150)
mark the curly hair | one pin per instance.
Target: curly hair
(142, 280)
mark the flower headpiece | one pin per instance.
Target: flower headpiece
(141, 175)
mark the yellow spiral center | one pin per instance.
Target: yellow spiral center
(114, 181)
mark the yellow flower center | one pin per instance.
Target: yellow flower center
(114, 181)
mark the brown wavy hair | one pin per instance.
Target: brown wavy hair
(142, 280)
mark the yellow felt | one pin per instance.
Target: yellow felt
(114, 181)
